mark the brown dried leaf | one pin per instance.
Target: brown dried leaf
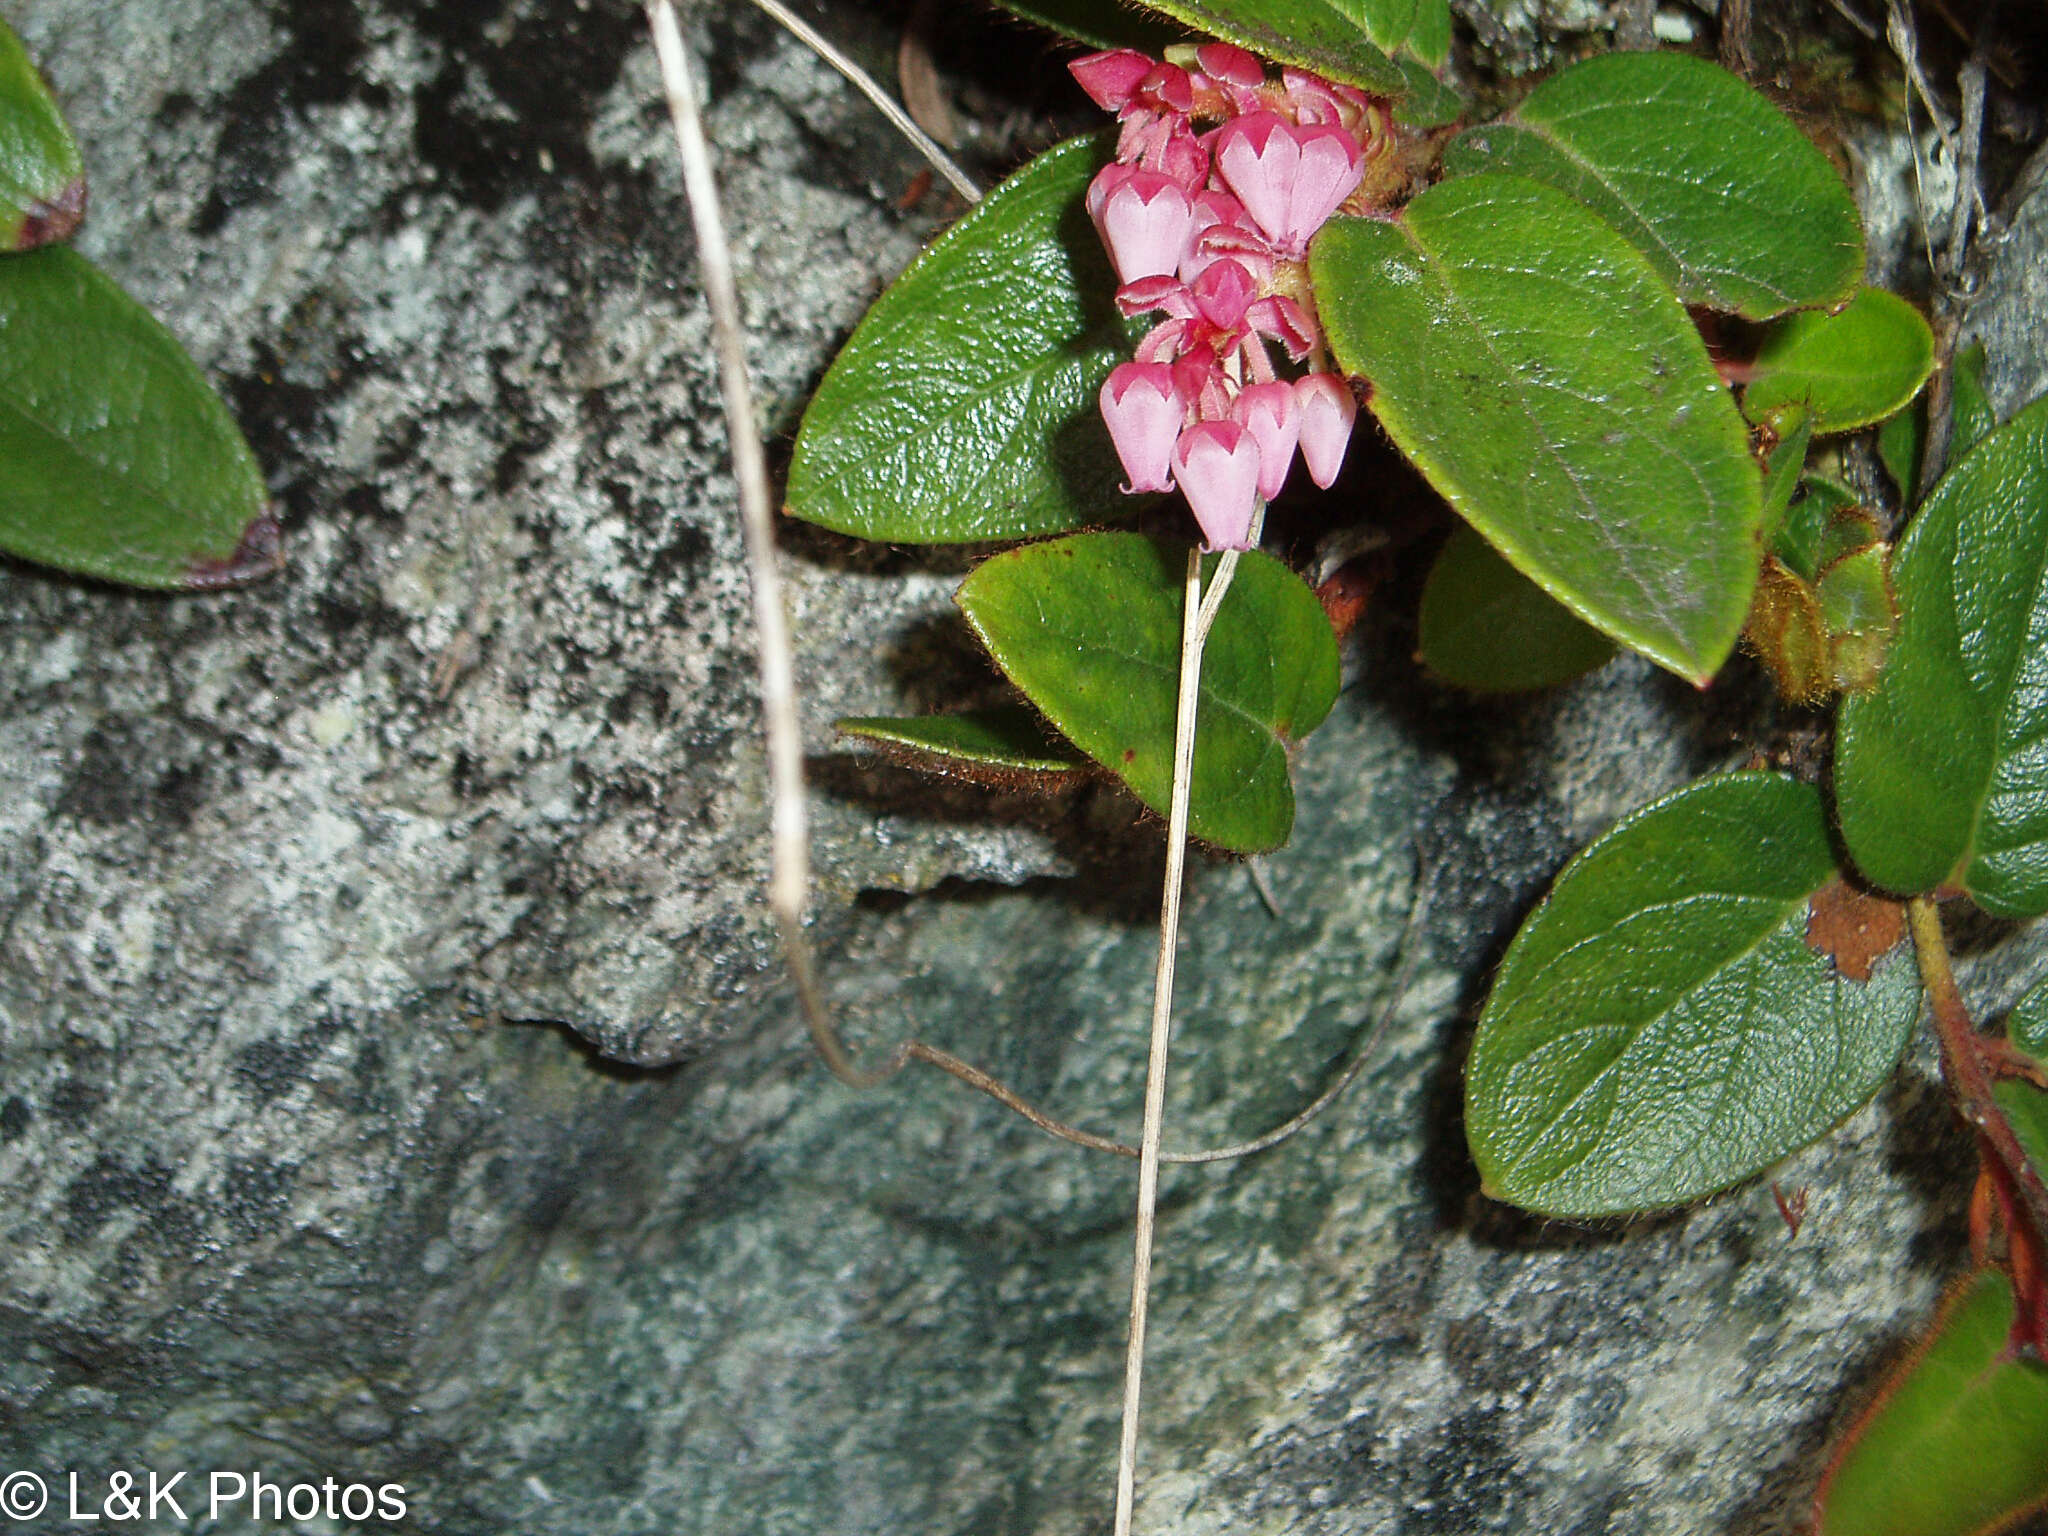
(1853, 928)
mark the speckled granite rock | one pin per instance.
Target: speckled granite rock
(289, 1189)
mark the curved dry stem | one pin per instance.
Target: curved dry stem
(884, 103)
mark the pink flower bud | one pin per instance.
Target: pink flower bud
(1327, 413)
(1111, 79)
(1269, 412)
(1217, 464)
(1227, 64)
(1143, 411)
(1146, 221)
(1223, 292)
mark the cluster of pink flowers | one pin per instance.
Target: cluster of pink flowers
(1211, 227)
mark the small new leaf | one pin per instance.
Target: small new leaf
(1717, 187)
(1544, 378)
(42, 178)
(117, 459)
(1090, 628)
(1940, 774)
(1851, 369)
(1660, 1027)
(964, 407)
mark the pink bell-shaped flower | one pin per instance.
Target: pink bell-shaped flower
(1289, 179)
(1144, 410)
(1270, 413)
(1146, 221)
(1217, 464)
(1111, 79)
(1331, 167)
(1256, 156)
(1327, 412)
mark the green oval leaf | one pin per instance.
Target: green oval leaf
(1958, 1445)
(1660, 1027)
(963, 408)
(1539, 372)
(1729, 200)
(1004, 740)
(1089, 627)
(1487, 627)
(42, 179)
(1942, 773)
(117, 459)
(1335, 38)
(1852, 369)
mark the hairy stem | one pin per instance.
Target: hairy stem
(1964, 1062)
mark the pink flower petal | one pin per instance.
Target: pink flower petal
(1327, 413)
(1143, 410)
(1257, 158)
(1217, 464)
(1270, 413)
(1281, 319)
(1150, 293)
(1331, 166)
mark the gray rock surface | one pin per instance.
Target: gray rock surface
(305, 1174)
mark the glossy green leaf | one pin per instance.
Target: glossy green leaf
(1006, 740)
(117, 459)
(963, 408)
(1429, 102)
(1099, 23)
(1958, 1445)
(1543, 377)
(1902, 439)
(2027, 1026)
(1852, 369)
(1724, 194)
(1487, 627)
(1660, 1027)
(1941, 774)
(1335, 38)
(1430, 38)
(1089, 627)
(42, 179)
(1792, 427)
